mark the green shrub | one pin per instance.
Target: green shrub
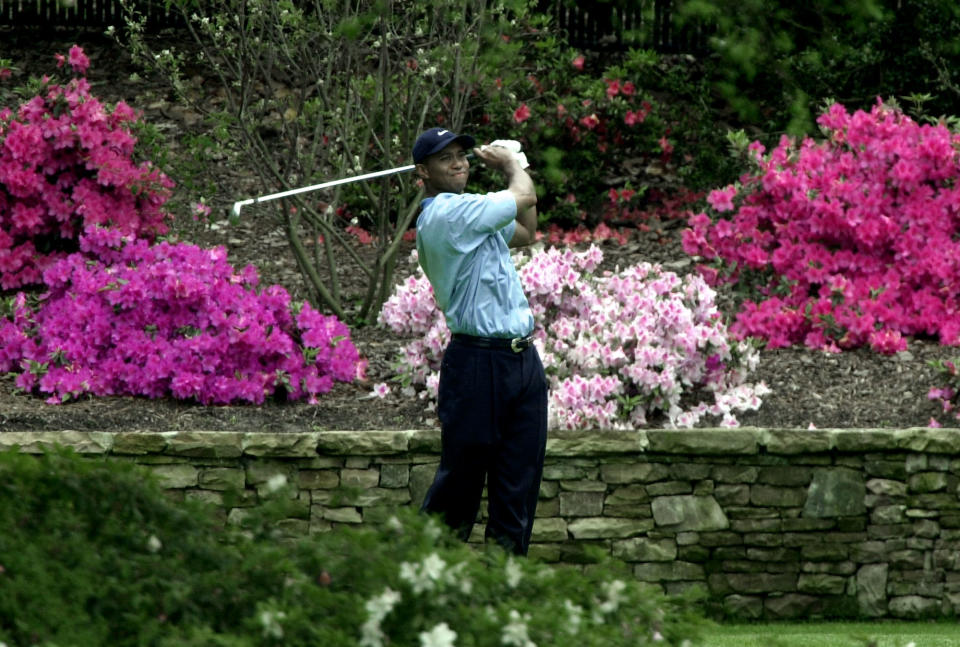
(93, 552)
(598, 129)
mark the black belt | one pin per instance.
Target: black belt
(517, 344)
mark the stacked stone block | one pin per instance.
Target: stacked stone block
(771, 523)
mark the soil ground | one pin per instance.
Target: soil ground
(856, 389)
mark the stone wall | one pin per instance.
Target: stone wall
(772, 523)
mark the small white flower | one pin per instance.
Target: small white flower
(271, 623)
(612, 590)
(432, 530)
(575, 617)
(377, 609)
(381, 390)
(433, 566)
(154, 544)
(381, 605)
(515, 633)
(440, 636)
(513, 572)
(424, 576)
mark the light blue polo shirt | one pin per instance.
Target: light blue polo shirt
(462, 246)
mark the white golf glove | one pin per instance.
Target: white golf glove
(513, 146)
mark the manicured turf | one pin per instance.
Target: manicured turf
(835, 634)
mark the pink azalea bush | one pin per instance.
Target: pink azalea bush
(618, 347)
(67, 176)
(121, 316)
(846, 241)
(171, 320)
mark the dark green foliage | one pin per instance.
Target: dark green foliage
(93, 552)
(775, 62)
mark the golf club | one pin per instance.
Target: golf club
(316, 187)
(513, 146)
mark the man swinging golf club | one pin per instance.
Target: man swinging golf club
(493, 392)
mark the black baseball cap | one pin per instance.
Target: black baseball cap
(435, 140)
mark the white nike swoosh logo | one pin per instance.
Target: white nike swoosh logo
(442, 132)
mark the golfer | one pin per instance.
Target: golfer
(493, 393)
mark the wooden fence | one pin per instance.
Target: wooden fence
(615, 26)
(78, 13)
(590, 25)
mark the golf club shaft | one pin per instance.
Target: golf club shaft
(316, 187)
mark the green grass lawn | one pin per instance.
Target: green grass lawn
(834, 634)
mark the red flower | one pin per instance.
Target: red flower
(561, 110)
(628, 89)
(613, 87)
(578, 62)
(590, 121)
(361, 234)
(521, 114)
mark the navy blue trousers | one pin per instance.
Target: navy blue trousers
(492, 405)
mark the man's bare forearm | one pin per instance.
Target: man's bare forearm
(521, 185)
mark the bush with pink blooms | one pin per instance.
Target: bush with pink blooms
(171, 320)
(121, 316)
(843, 242)
(68, 179)
(621, 349)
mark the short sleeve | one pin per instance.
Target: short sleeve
(508, 231)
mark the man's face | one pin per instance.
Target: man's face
(446, 171)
